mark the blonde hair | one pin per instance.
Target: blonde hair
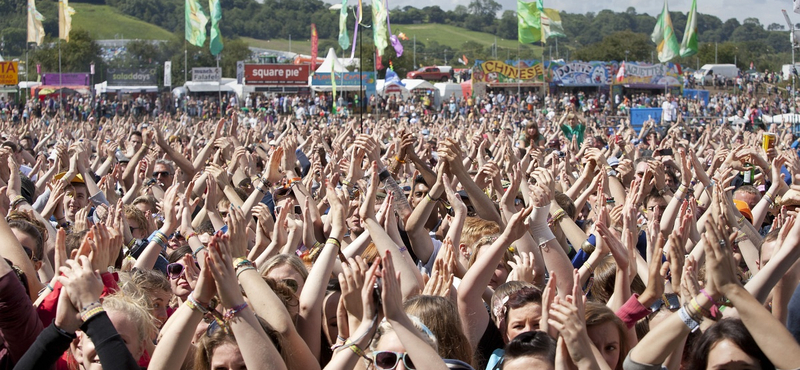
(135, 310)
(137, 215)
(476, 228)
(386, 328)
(284, 259)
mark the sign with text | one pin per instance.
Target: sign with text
(206, 74)
(276, 74)
(493, 71)
(366, 79)
(65, 79)
(132, 77)
(577, 73)
(9, 73)
(638, 73)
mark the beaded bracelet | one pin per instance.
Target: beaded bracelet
(91, 310)
(229, 314)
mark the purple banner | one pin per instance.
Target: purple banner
(65, 79)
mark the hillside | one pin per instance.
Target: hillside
(106, 22)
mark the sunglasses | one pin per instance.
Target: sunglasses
(387, 360)
(292, 284)
(161, 174)
(175, 270)
(29, 253)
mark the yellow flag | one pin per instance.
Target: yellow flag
(35, 28)
(65, 13)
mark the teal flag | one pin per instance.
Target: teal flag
(344, 38)
(216, 37)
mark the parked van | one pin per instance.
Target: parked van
(786, 70)
(706, 73)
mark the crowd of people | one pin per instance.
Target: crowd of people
(526, 233)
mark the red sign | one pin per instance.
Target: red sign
(276, 74)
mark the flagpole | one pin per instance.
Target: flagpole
(60, 89)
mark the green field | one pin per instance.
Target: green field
(298, 46)
(105, 22)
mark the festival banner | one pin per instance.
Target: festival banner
(65, 79)
(314, 46)
(510, 71)
(579, 73)
(132, 76)
(35, 27)
(215, 9)
(168, 73)
(276, 74)
(638, 73)
(206, 74)
(9, 73)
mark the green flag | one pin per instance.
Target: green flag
(664, 37)
(551, 24)
(380, 34)
(529, 22)
(689, 43)
(344, 38)
(216, 37)
(196, 20)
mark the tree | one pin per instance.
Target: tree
(76, 55)
(613, 47)
(507, 25)
(752, 20)
(776, 27)
(631, 10)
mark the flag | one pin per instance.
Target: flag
(463, 60)
(314, 47)
(621, 72)
(379, 31)
(664, 37)
(167, 73)
(333, 83)
(215, 45)
(540, 5)
(378, 60)
(797, 6)
(195, 26)
(529, 22)
(65, 13)
(689, 43)
(391, 77)
(344, 38)
(35, 28)
(551, 24)
(360, 12)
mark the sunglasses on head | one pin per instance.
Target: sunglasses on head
(388, 360)
(175, 270)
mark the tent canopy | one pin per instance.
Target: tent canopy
(381, 87)
(331, 63)
(415, 84)
(103, 88)
(211, 86)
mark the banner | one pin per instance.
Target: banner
(380, 34)
(637, 73)
(579, 73)
(65, 79)
(510, 71)
(344, 38)
(168, 73)
(240, 72)
(206, 74)
(35, 27)
(529, 22)
(9, 73)
(664, 37)
(215, 9)
(65, 13)
(131, 76)
(276, 74)
(314, 46)
(195, 23)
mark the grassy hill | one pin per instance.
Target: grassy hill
(105, 22)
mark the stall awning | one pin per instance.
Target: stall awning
(195, 87)
(103, 88)
(8, 89)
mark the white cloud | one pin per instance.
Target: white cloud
(767, 11)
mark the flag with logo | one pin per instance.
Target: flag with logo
(621, 72)
(664, 37)
(195, 26)
(65, 13)
(344, 38)
(380, 33)
(35, 27)
(216, 37)
(551, 24)
(314, 47)
(529, 22)
(689, 43)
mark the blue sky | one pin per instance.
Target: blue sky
(767, 11)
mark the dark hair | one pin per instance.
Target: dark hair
(178, 253)
(726, 329)
(32, 231)
(532, 344)
(519, 299)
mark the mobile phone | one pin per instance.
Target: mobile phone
(376, 292)
(298, 210)
(667, 151)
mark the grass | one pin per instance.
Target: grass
(105, 22)
(298, 46)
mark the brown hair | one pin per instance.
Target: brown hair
(208, 344)
(137, 215)
(476, 228)
(598, 314)
(518, 299)
(440, 315)
(605, 275)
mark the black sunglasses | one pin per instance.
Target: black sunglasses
(161, 173)
(175, 270)
(387, 360)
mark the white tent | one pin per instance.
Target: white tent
(393, 87)
(331, 63)
(780, 118)
(104, 88)
(226, 85)
(415, 84)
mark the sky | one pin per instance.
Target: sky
(767, 11)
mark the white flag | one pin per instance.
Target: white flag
(168, 73)
(797, 6)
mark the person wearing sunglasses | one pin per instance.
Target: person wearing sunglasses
(164, 173)
(30, 238)
(182, 280)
